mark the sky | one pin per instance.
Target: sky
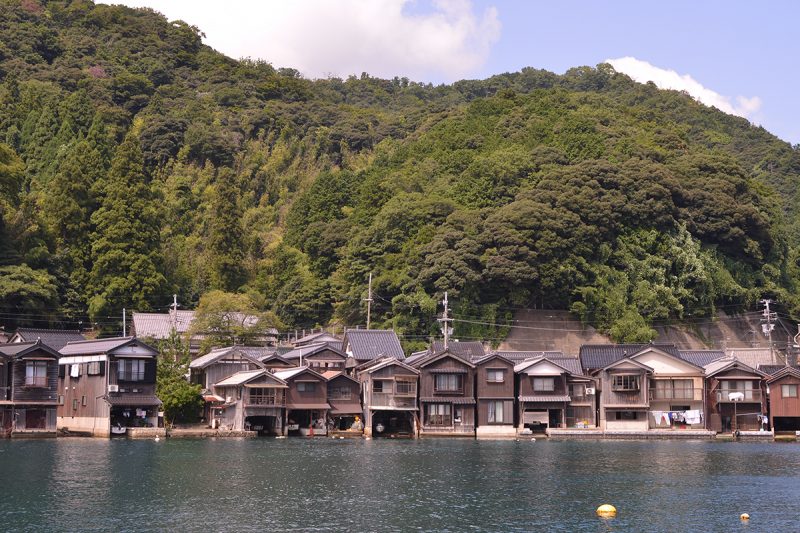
(738, 56)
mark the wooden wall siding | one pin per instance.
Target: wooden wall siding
(23, 393)
(355, 393)
(609, 397)
(326, 356)
(5, 384)
(486, 389)
(716, 410)
(526, 386)
(221, 370)
(85, 386)
(295, 397)
(780, 406)
(467, 423)
(483, 413)
(427, 378)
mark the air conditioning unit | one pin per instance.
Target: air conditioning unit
(113, 388)
(590, 391)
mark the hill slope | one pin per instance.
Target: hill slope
(587, 191)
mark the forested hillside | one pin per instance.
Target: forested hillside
(138, 162)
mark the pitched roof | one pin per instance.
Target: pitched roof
(431, 357)
(20, 349)
(159, 325)
(316, 338)
(98, 346)
(215, 355)
(596, 356)
(387, 361)
(488, 357)
(772, 369)
(701, 357)
(783, 372)
(753, 357)
(468, 350)
(333, 374)
(719, 365)
(240, 378)
(305, 351)
(289, 373)
(366, 344)
(54, 338)
(519, 356)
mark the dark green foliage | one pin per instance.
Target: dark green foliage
(585, 191)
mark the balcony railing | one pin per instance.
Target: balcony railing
(383, 399)
(266, 401)
(583, 398)
(739, 396)
(625, 398)
(36, 381)
(676, 394)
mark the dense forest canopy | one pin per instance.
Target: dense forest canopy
(137, 162)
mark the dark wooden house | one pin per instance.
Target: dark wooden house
(389, 389)
(346, 415)
(54, 338)
(364, 345)
(736, 396)
(109, 386)
(28, 389)
(446, 395)
(320, 357)
(215, 366)
(306, 402)
(784, 400)
(494, 389)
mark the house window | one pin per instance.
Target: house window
(83, 400)
(544, 384)
(495, 375)
(439, 414)
(677, 389)
(340, 393)
(495, 412)
(265, 396)
(405, 387)
(36, 374)
(449, 383)
(75, 404)
(60, 399)
(788, 391)
(93, 369)
(577, 391)
(626, 415)
(625, 382)
(305, 386)
(131, 370)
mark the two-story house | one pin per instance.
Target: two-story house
(364, 345)
(215, 366)
(251, 400)
(108, 386)
(306, 402)
(446, 395)
(28, 389)
(346, 415)
(554, 393)
(736, 396)
(320, 357)
(494, 388)
(784, 401)
(389, 388)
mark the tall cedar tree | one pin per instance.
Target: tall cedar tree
(126, 270)
(226, 235)
(67, 211)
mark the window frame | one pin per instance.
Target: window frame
(36, 374)
(627, 383)
(442, 383)
(542, 380)
(492, 411)
(788, 386)
(491, 371)
(440, 419)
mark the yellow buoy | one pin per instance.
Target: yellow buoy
(744, 516)
(606, 510)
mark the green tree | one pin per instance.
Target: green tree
(226, 235)
(125, 243)
(181, 400)
(225, 319)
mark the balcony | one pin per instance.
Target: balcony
(745, 395)
(632, 398)
(581, 399)
(385, 399)
(265, 401)
(676, 394)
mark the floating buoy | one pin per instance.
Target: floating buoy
(606, 510)
(157, 439)
(533, 439)
(744, 516)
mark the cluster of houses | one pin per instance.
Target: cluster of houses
(364, 384)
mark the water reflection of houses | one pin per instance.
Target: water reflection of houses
(108, 385)
(28, 389)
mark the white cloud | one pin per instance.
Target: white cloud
(642, 71)
(385, 38)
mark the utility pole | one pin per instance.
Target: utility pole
(445, 320)
(124, 324)
(369, 300)
(767, 325)
(174, 312)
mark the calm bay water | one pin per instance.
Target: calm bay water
(429, 485)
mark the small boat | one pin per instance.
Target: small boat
(118, 430)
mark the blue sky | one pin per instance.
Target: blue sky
(739, 56)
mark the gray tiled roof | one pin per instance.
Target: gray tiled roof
(97, 346)
(304, 351)
(595, 356)
(21, 348)
(318, 337)
(469, 350)
(519, 356)
(774, 369)
(367, 344)
(159, 325)
(754, 357)
(701, 357)
(54, 338)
